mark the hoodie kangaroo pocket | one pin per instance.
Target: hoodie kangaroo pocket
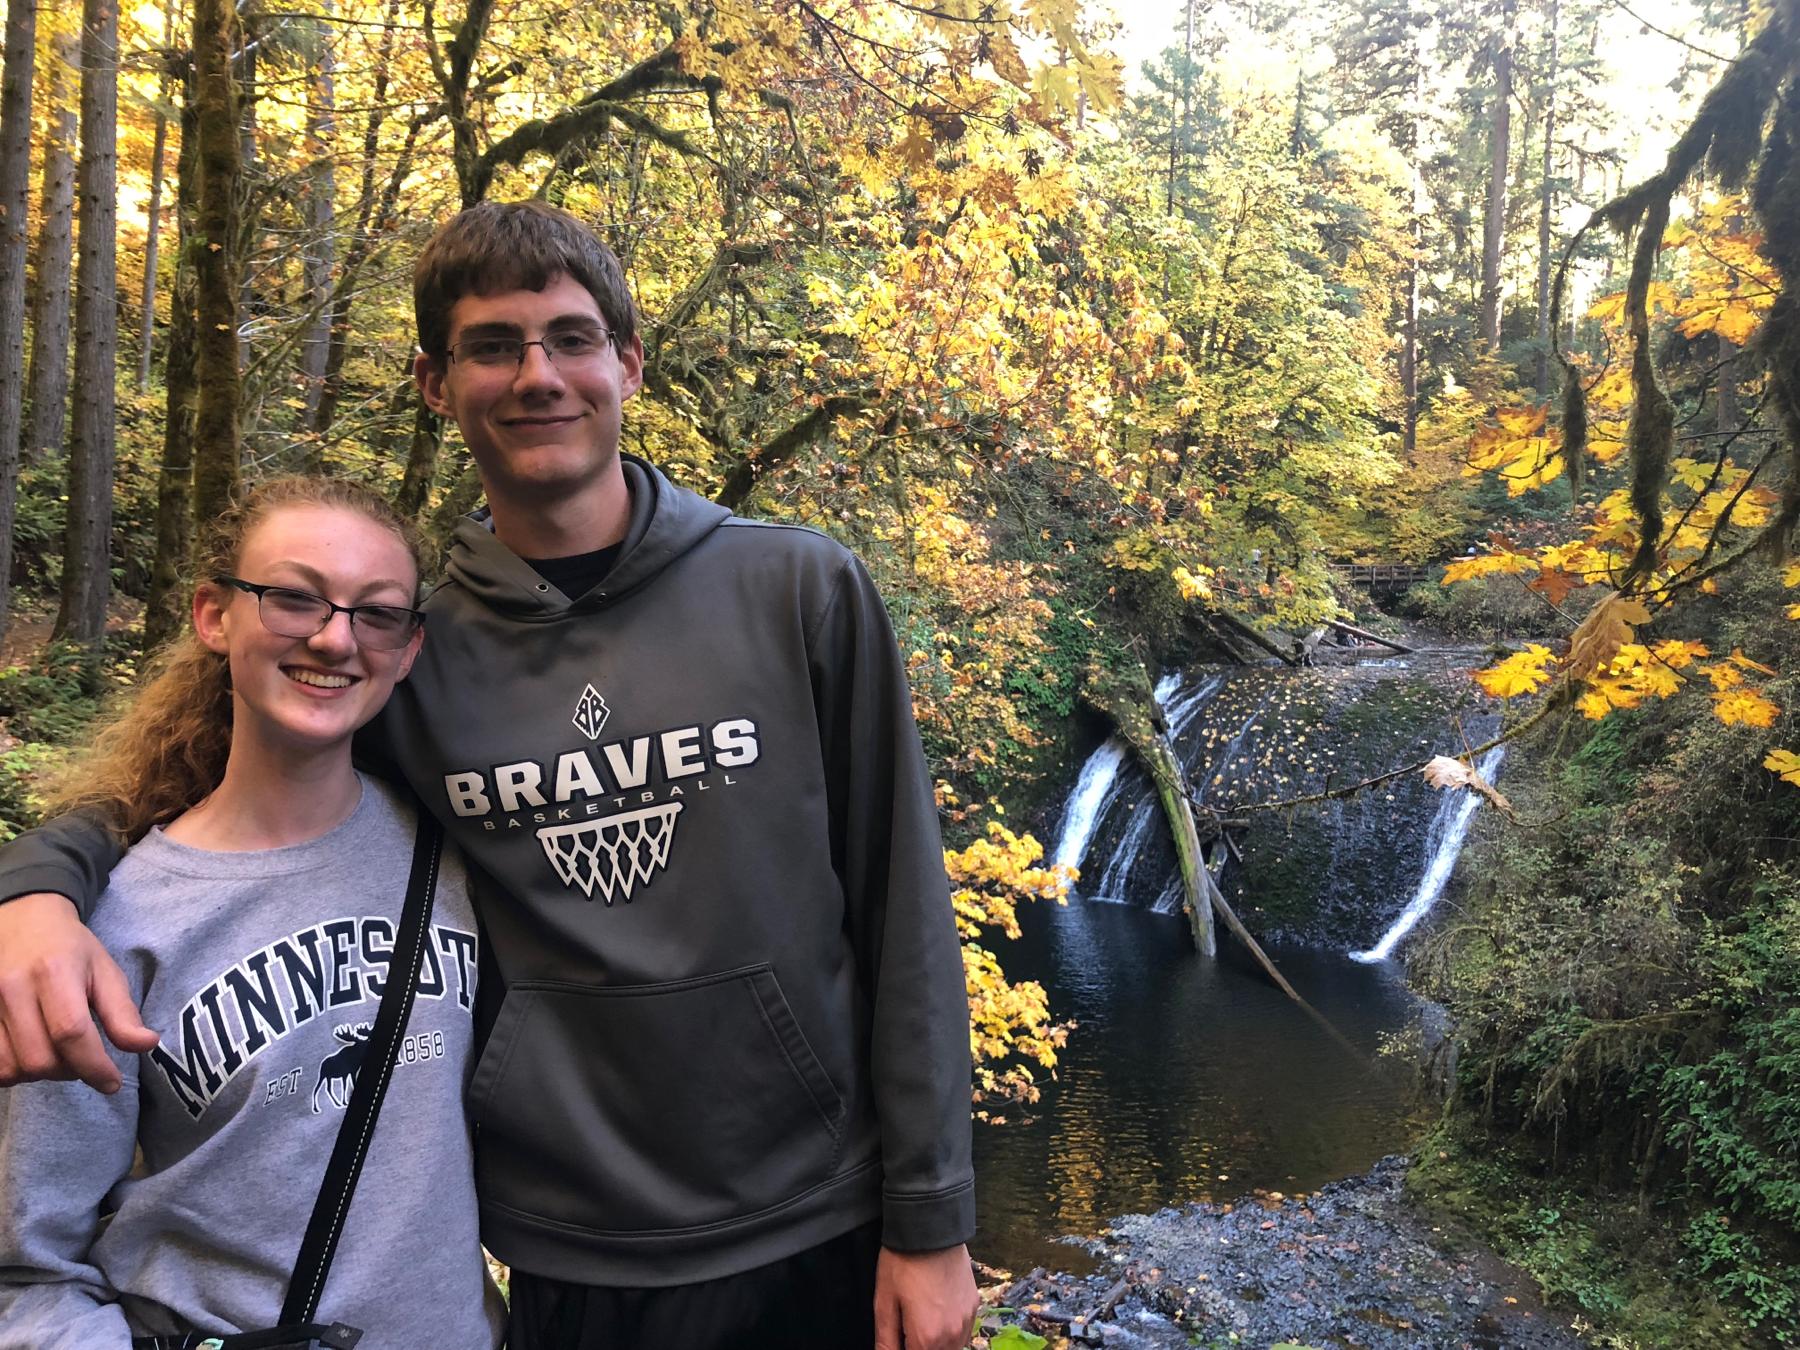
(640, 1108)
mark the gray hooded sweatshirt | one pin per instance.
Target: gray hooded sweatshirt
(262, 971)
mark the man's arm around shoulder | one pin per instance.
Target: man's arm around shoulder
(52, 969)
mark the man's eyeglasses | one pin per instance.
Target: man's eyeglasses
(569, 347)
(287, 612)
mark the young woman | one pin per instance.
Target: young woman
(255, 919)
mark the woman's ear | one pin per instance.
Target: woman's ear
(209, 616)
(409, 654)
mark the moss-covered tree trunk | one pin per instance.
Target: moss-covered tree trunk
(1131, 704)
(216, 434)
(46, 418)
(1178, 808)
(87, 535)
(15, 201)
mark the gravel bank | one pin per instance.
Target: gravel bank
(1353, 1264)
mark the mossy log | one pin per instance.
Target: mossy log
(1226, 619)
(1130, 703)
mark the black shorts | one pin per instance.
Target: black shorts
(819, 1299)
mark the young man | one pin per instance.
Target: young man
(724, 1095)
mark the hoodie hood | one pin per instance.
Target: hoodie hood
(666, 522)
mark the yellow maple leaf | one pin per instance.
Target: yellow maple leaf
(1521, 673)
(1691, 473)
(1102, 77)
(1786, 763)
(1003, 56)
(1723, 676)
(1191, 586)
(1793, 611)
(1791, 577)
(1737, 655)
(1678, 655)
(1487, 565)
(1744, 707)
(1593, 704)
(1610, 691)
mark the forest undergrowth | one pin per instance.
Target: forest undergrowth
(1623, 976)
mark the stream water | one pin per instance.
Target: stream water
(1191, 1080)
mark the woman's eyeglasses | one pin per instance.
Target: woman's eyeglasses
(287, 612)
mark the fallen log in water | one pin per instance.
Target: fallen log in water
(1367, 636)
(1133, 707)
(1250, 635)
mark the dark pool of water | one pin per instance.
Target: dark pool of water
(1184, 1080)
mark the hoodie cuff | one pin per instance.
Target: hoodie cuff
(928, 1223)
(32, 878)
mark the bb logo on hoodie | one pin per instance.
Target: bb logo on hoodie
(607, 813)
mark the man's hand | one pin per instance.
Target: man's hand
(51, 970)
(924, 1300)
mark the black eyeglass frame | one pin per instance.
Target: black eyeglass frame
(518, 357)
(417, 617)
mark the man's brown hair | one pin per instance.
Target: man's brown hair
(513, 246)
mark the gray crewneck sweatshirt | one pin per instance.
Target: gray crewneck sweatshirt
(262, 971)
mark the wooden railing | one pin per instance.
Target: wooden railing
(1383, 574)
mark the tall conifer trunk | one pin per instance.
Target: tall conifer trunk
(153, 213)
(87, 538)
(49, 377)
(1415, 246)
(164, 612)
(1493, 232)
(15, 204)
(216, 433)
(1546, 202)
(321, 243)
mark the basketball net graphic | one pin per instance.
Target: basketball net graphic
(615, 854)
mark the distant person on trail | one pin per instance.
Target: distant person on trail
(723, 1095)
(258, 847)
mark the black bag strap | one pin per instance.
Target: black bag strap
(327, 1224)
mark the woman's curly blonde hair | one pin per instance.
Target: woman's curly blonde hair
(166, 749)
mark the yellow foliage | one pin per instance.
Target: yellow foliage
(1009, 1023)
(1786, 763)
(1521, 673)
(1738, 658)
(1499, 562)
(1191, 586)
(1678, 655)
(1744, 707)
(1518, 446)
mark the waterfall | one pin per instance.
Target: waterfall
(1449, 827)
(1094, 792)
(1179, 713)
(1146, 810)
(1098, 786)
